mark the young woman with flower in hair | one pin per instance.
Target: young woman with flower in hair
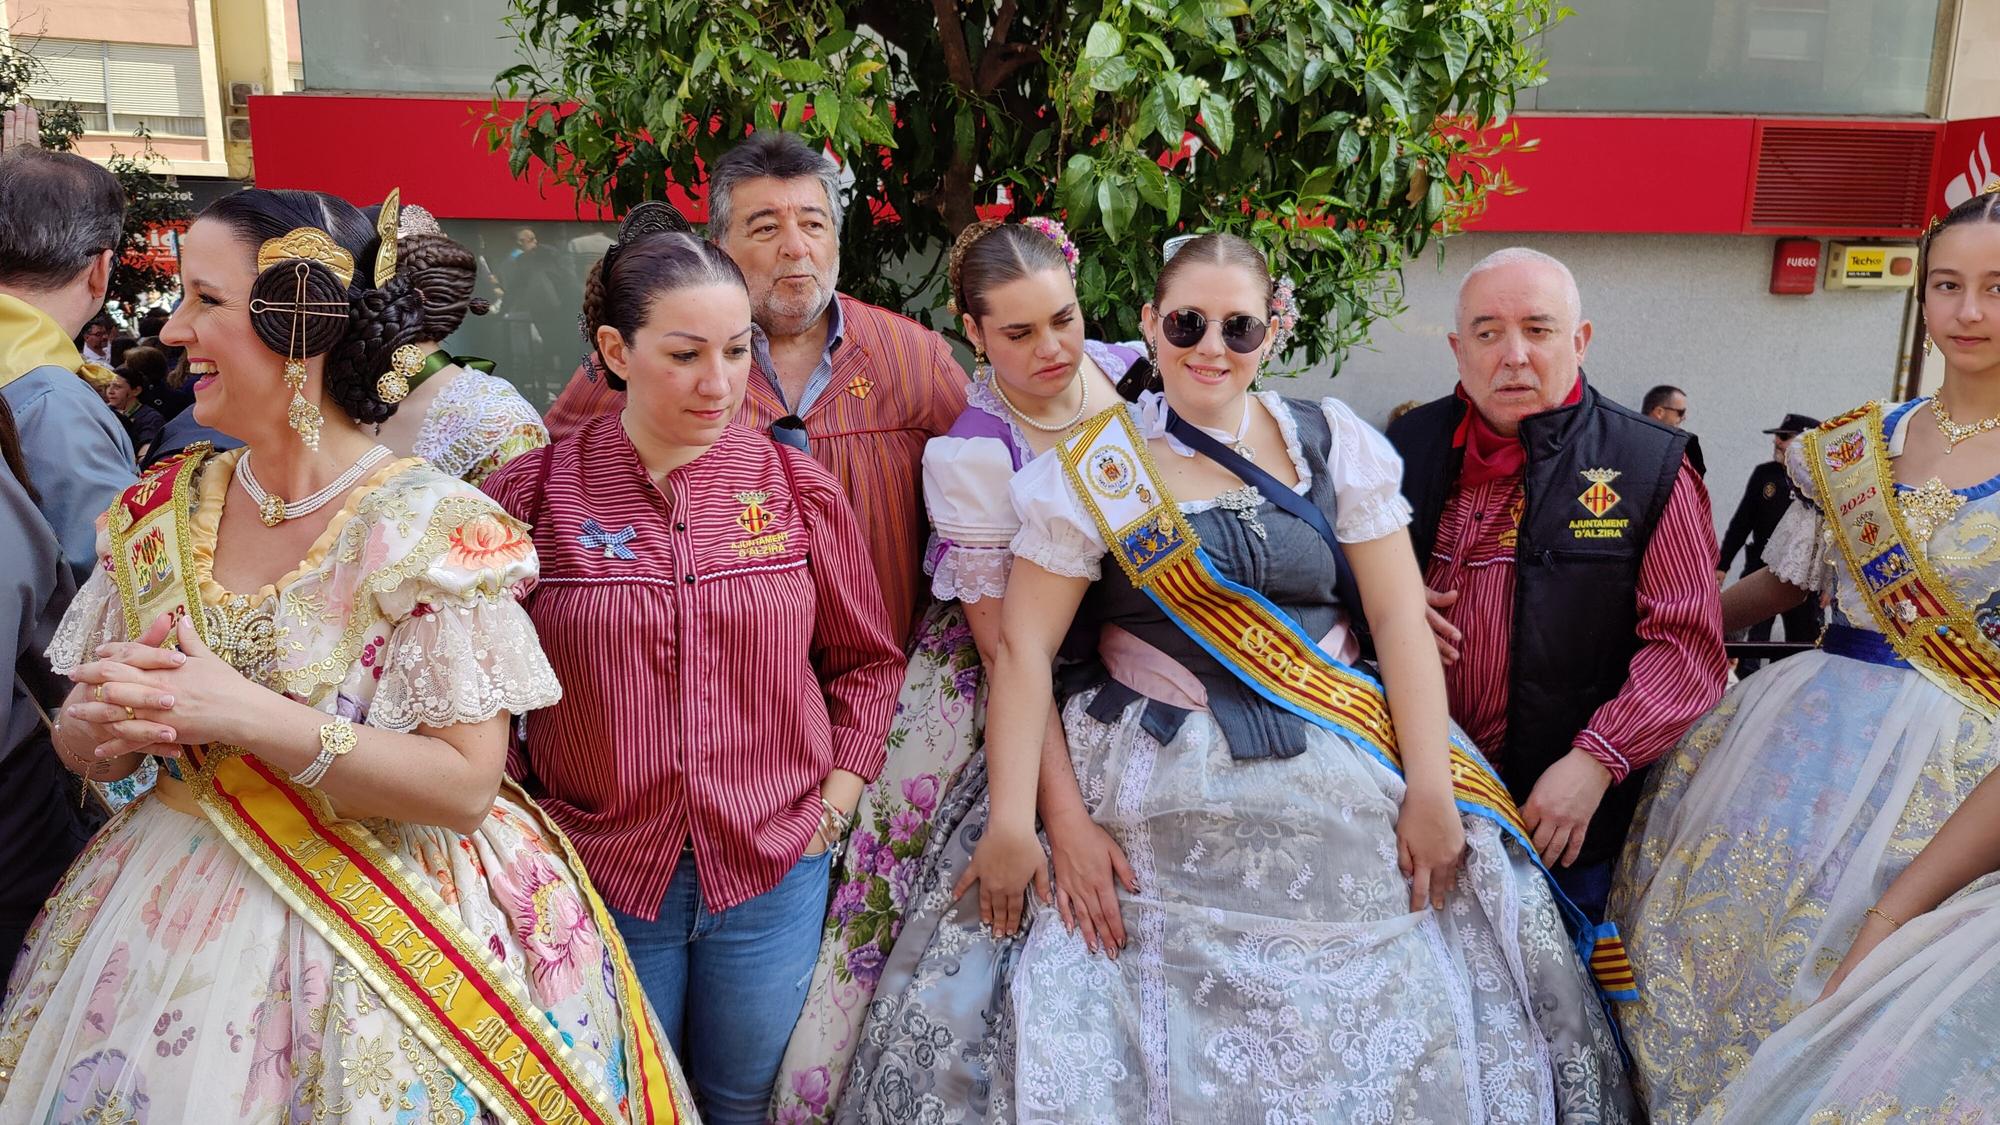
(896, 908)
(455, 412)
(330, 907)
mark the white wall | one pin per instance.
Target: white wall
(1694, 311)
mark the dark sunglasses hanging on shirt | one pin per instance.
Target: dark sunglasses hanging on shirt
(790, 430)
(1243, 333)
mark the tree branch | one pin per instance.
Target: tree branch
(951, 36)
(1000, 62)
(1003, 22)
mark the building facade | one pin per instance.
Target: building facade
(182, 70)
(1679, 145)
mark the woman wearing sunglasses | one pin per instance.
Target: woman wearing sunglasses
(1317, 934)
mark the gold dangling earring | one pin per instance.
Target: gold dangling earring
(981, 369)
(404, 363)
(303, 416)
(1929, 345)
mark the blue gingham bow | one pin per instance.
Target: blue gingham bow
(613, 542)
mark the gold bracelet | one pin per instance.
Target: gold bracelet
(1879, 913)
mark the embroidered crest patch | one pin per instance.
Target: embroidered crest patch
(753, 519)
(1599, 498)
(861, 387)
(1111, 472)
(1845, 453)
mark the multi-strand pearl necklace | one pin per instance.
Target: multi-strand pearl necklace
(274, 510)
(1082, 404)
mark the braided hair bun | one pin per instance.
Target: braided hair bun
(299, 305)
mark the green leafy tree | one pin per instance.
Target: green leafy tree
(1341, 137)
(148, 200)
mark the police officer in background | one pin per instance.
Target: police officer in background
(1764, 502)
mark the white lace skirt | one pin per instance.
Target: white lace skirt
(1912, 1035)
(1275, 972)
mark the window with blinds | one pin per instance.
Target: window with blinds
(122, 87)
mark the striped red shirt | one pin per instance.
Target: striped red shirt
(895, 386)
(1679, 671)
(722, 648)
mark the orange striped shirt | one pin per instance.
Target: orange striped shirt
(895, 386)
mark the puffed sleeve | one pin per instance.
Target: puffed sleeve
(972, 516)
(95, 616)
(1797, 551)
(1057, 533)
(461, 649)
(1367, 478)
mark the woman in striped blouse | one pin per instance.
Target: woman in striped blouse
(708, 600)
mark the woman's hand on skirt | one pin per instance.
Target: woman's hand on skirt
(1005, 861)
(1874, 930)
(1087, 861)
(1430, 845)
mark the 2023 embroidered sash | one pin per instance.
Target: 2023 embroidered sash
(356, 894)
(1910, 602)
(1108, 465)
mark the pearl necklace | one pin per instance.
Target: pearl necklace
(274, 510)
(1955, 433)
(1082, 404)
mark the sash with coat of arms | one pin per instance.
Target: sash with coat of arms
(1110, 469)
(354, 892)
(1883, 547)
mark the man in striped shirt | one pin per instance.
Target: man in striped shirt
(1570, 554)
(858, 387)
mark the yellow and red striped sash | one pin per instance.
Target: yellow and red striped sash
(344, 882)
(1110, 468)
(1910, 602)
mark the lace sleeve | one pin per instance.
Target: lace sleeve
(965, 494)
(462, 664)
(95, 616)
(1798, 551)
(1367, 478)
(1056, 533)
(461, 649)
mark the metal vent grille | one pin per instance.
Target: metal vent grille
(1841, 178)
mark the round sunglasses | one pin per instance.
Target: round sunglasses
(1243, 333)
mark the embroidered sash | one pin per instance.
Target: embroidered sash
(354, 892)
(1915, 610)
(1109, 467)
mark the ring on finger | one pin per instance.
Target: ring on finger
(97, 693)
(130, 714)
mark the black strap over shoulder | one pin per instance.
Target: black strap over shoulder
(1274, 490)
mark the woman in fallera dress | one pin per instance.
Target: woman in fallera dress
(1317, 934)
(1785, 814)
(901, 932)
(455, 412)
(329, 908)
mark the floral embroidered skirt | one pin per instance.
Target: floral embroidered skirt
(1768, 832)
(167, 983)
(901, 816)
(1913, 1035)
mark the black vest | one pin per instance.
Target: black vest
(1576, 571)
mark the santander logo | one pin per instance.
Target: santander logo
(1978, 173)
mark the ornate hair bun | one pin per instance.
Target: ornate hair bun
(298, 304)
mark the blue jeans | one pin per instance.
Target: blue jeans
(729, 986)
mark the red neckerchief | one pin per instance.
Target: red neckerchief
(1490, 455)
